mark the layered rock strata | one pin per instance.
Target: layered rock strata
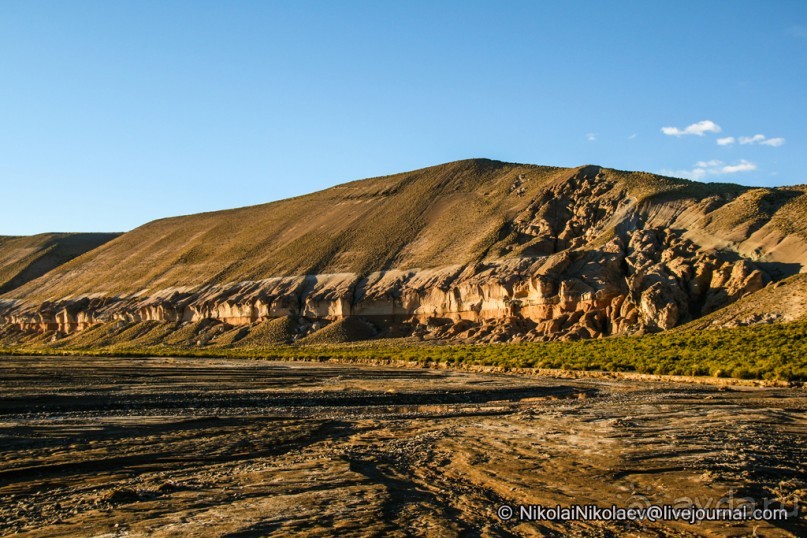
(649, 280)
(583, 254)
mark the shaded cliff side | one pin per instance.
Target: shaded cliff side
(473, 250)
(23, 259)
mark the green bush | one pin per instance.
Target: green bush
(771, 352)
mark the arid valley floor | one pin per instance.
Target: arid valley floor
(214, 447)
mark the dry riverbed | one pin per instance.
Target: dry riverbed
(208, 447)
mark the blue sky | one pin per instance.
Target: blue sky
(116, 113)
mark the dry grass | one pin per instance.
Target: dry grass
(269, 332)
(25, 258)
(767, 352)
(453, 214)
(341, 331)
(782, 301)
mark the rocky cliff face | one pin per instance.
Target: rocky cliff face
(579, 253)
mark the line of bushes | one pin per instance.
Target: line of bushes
(768, 352)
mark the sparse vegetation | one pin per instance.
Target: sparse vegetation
(270, 332)
(342, 331)
(766, 352)
(442, 215)
(451, 215)
(25, 258)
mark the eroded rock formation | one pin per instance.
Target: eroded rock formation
(585, 256)
(649, 280)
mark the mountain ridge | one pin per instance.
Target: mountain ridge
(516, 250)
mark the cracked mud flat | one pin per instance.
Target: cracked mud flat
(197, 447)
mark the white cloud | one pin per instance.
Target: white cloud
(705, 169)
(762, 139)
(708, 164)
(631, 137)
(752, 139)
(695, 173)
(743, 166)
(698, 173)
(591, 137)
(727, 141)
(698, 129)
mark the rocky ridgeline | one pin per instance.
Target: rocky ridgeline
(584, 259)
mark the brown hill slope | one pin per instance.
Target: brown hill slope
(782, 301)
(443, 215)
(25, 258)
(477, 249)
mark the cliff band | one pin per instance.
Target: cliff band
(475, 250)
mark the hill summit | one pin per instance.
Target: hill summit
(474, 250)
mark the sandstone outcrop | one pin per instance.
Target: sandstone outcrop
(580, 254)
(651, 280)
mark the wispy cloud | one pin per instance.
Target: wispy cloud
(708, 164)
(631, 137)
(591, 137)
(697, 129)
(762, 139)
(742, 166)
(713, 168)
(756, 139)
